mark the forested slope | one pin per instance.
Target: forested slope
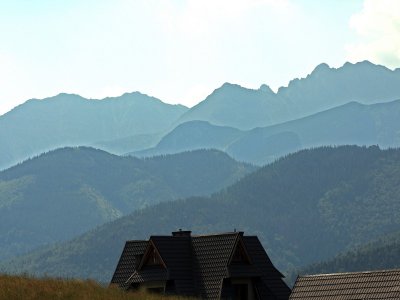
(66, 192)
(380, 254)
(306, 207)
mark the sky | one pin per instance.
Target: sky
(181, 50)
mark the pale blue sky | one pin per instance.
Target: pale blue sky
(179, 51)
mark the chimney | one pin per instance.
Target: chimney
(181, 233)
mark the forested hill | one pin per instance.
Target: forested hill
(381, 254)
(306, 207)
(66, 192)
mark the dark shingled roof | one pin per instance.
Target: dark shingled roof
(198, 265)
(153, 274)
(127, 261)
(271, 277)
(349, 286)
(176, 254)
(211, 255)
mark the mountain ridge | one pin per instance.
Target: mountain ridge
(66, 192)
(350, 123)
(71, 120)
(305, 207)
(113, 123)
(322, 89)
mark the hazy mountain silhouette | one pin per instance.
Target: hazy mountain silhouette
(193, 135)
(134, 121)
(130, 143)
(66, 192)
(351, 123)
(68, 120)
(235, 106)
(325, 88)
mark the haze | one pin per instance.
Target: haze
(179, 51)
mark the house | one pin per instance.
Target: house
(348, 286)
(219, 266)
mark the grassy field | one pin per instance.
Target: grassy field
(28, 288)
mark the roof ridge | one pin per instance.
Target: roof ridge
(127, 241)
(351, 273)
(195, 235)
(218, 234)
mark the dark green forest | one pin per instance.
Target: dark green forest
(380, 254)
(66, 192)
(306, 207)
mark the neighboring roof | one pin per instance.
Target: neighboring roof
(127, 261)
(349, 286)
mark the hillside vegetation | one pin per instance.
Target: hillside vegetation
(28, 288)
(66, 192)
(305, 208)
(381, 254)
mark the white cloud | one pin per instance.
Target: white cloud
(378, 30)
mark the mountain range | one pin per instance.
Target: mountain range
(38, 126)
(234, 106)
(351, 123)
(305, 207)
(326, 208)
(135, 122)
(66, 192)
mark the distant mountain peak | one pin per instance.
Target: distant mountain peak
(67, 95)
(130, 96)
(228, 85)
(63, 97)
(322, 67)
(226, 88)
(359, 63)
(365, 65)
(265, 89)
(319, 70)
